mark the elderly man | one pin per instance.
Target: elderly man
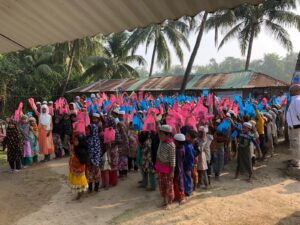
(293, 120)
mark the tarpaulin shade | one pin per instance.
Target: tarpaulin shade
(29, 23)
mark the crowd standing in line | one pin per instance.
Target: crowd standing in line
(178, 143)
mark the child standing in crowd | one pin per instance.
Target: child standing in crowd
(219, 141)
(208, 143)
(76, 177)
(57, 133)
(46, 145)
(147, 165)
(133, 145)
(105, 169)
(14, 142)
(188, 163)
(67, 132)
(33, 139)
(179, 194)
(244, 158)
(123, 147)
(25, 130)
(113, 154)
(93, 172)
(202, 163)
(268, 135)
(165, 165)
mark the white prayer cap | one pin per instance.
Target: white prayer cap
(179, 137)
(97, 115)
(121, 112)
(38, 103)
(50, 102)
(228, 115)
(44, 102)
(218, 121)
(166, 128)
(93, 96)
(248, 125)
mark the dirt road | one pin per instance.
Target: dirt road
(40, 196)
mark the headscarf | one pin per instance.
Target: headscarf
(45, 118)
(24, 127)
(14, 136)
(94, 147)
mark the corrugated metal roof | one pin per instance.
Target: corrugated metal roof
(29, 23)
(220, 81)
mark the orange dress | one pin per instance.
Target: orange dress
(45, 143)
(76, 177)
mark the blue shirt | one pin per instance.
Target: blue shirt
(188, 162)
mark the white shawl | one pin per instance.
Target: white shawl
(45, 118)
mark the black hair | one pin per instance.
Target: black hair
(81, 149)
(192, 133)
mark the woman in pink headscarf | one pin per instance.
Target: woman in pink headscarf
(45, 133)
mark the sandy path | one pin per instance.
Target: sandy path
(40, 196)
(25, 192)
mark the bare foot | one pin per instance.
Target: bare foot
(168, 207)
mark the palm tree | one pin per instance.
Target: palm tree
(246, 22)
(159, 34)
(195, 51)
(115, 61)
(72, 53)
(39, 59)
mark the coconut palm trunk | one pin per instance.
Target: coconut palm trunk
(69, 70)
(152, 59)
(250, 48)
(194, 53)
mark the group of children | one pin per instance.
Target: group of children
(21, 141)
(104, 145)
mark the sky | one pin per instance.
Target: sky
(263, 44)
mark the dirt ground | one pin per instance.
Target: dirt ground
(39, 195)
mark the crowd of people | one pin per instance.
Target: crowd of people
(177, 143)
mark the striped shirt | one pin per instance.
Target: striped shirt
(166, 154)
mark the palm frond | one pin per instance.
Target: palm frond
(163, 55)
(231, 34)
(140, 60)
(280, 34)
(285, 18)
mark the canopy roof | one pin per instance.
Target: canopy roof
(219, 81)
(29, 23)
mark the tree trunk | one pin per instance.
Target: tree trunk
(194, 53)
(72, 56)
(153, 58)
(250, 48)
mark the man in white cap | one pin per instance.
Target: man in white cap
(293, 120)
(244, 158)
(165, 164)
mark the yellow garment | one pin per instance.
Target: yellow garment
(78, 182)
(260, 123)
